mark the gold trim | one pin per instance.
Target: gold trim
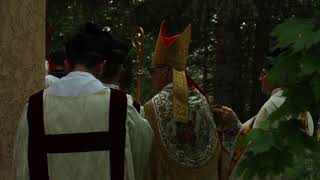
(175, 55)
(180, 97)
(173, 170)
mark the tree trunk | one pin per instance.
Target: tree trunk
(228, 88)
(262, 40)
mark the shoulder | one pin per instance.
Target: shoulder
(148, 104)
(136, 123)
(149, 110)
(160, 99)
(118, 94)
(118, 97)
(273, 103)
(197, 100)
(50, 77)
(133, 116)
(50, 80)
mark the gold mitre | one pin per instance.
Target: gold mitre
(173, 51)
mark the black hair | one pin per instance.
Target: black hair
(57, 57)
(271, 56)
(101, 45)
(110, 70)
(115, 58)
(115, 51)
(85, 48)
(267, 64)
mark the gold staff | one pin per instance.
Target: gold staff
(138, 44)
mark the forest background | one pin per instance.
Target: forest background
(230, 39)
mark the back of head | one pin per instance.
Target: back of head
(57, 57)
(115, 59)
(268, 86)
(85, 48)
(112, 50)
(271, 56)
(115, 52)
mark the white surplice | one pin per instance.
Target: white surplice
(270, 106)
(115, 86)
(79, 103)
(50, 80)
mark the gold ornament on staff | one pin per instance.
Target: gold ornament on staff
(138, 44)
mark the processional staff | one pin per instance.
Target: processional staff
(138, 44)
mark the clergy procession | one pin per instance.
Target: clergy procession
(159, 90)
(84, 126)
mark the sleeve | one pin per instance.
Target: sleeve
(262, 116)
(20, 153)
(140, 137)
(142, 113)
(129, 166)
(310, 124)
(50, 80)
(229, 135)
(131, 100)
(152, 164)
(273, 103)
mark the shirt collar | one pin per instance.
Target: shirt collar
(112, 86)
(76, 83)
(80, 73)
(276, 91)
(168, 86)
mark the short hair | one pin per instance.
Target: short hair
(115, 59)
(110, 47)
(271, 56)
(110, 70)
(114, 50)
(267, 64)
(57, 56)
(84, 48)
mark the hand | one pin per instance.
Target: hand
(225, 116)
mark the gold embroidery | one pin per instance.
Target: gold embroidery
(176, 54)
(163, 165)
(180, 96)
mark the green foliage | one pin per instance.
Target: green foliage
(300, 33)
(281, 150)
(282, 147)
(65, 17)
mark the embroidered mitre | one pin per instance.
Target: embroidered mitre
(173, 51)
